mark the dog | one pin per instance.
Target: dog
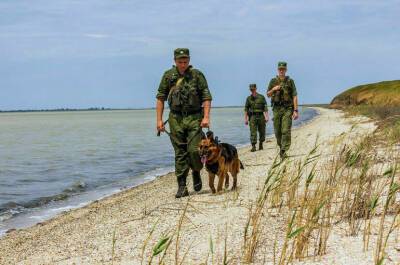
(219, 159)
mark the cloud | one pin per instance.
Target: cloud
(328, 43)
(97, 36)
(156, 25)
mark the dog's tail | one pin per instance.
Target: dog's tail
(241, 165)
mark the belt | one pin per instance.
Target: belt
(186, 113)
(282, 104)
(257, 113)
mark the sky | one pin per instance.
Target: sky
(112, 53)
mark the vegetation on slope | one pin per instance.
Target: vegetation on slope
(378, 101)
(386, 93)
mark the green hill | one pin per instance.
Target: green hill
(385, 93)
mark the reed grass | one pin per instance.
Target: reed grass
(315, 194)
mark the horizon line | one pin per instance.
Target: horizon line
(108, 109)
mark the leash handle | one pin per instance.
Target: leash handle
(159, 132)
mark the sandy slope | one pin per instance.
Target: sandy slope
(85, 236)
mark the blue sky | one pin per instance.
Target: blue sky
(94, 53)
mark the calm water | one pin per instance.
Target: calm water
(54, 161)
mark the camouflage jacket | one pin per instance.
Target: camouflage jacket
(255, 104)
(185, 92)
(287, 92)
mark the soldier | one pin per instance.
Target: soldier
(283, 94)
(189, 100)
(256, 111)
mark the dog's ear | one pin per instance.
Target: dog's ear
(216, 140)
(203, 136)
(210, 135)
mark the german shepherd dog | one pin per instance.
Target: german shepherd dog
(219, 159)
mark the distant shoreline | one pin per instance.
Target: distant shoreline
(112, 109)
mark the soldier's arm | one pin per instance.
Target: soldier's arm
(247, 105)
(295, 101)
(266, 116)
(161, 96)
(246, 110)
(203, 86)
(160, 111)
(206, 98)
(205, 123)
(271, 89)
(163, 88)
(294, 93)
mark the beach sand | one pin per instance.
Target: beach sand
(115, 229)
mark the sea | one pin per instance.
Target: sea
(52, 162)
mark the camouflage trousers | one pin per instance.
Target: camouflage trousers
(257, 123)
(283, 126)
(185, 138)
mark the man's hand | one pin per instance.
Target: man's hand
(160, 126)
(276, 88)
(266, 116)
(246, 121)
(205, 123)
(295, 115)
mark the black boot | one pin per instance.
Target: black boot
(253, 148)
(196, 180)
(182, 192)
(260, 146)
(282, 154)
(182, 189)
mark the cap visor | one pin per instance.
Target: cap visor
(182, 56)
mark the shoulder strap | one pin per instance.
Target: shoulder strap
(176, 86)
(289, 85)
(196, 74)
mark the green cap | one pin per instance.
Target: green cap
(181, 53)
(253, 86)
(282, 65)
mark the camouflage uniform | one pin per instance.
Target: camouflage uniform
(255, 108)
(185, 94)
(282, 107)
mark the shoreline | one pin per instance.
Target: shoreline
(42, 214)
(116, 109)
(120, 228)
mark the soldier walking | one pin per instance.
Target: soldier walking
(189, 100)
(283, 94)
(256, 112)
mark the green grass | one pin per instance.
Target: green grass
(386, 93)
(378, 101)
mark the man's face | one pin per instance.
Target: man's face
(253, 90)
(282, 71)
(182, 64)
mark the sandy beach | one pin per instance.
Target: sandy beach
(119, 228)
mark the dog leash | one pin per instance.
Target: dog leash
(173, 137)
